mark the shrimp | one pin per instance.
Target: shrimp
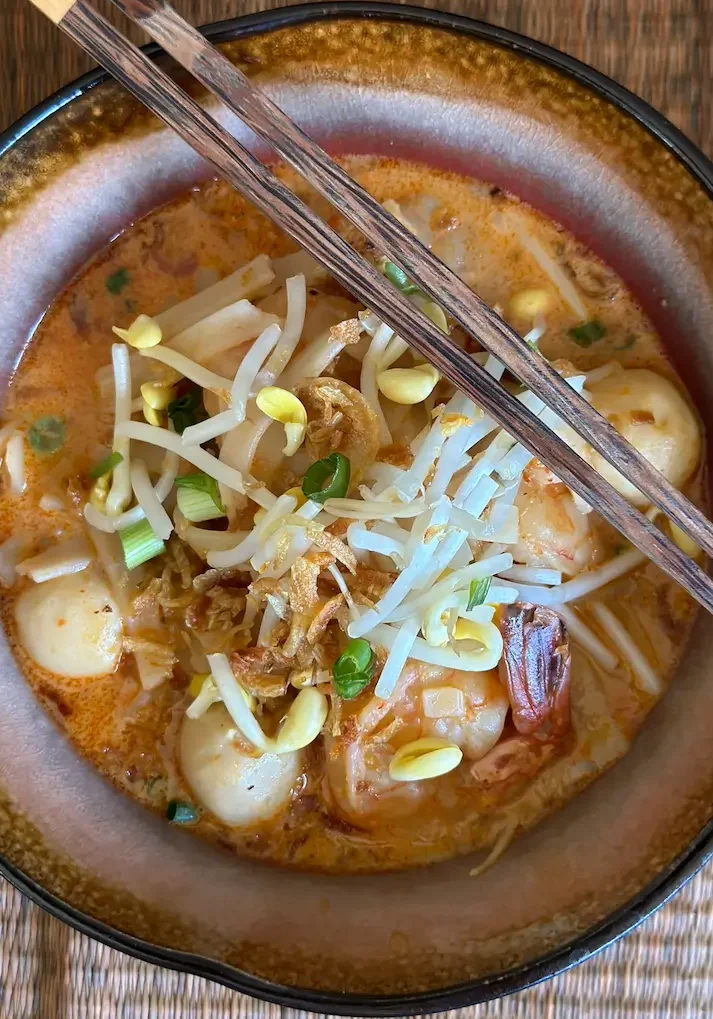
(477, 727)
(646, 409)
(536, 672)
(536, 669)
(515, 759)
(467, 709)
(554, 533)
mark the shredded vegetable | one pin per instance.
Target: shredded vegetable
(287, 341)
(154, 513)
(119, 495)
(244, 283)
(647, 679)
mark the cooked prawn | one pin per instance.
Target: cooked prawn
(553, 532)
(465, 709)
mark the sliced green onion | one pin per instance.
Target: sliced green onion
(106, 466)
(478, 592)
(588, 333)
(399, 278)
(199, 498)
(197, 506)
(334, 466)
(201, 482)
(187, 409)
(180, 812)
(356, 657)
(117, 281)
(140, 543)
(401, 281)
(46, 435)
(354, 668)
(349, 687)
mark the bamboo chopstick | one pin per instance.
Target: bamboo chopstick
(160, 94)
(254, 107)
(55, 9)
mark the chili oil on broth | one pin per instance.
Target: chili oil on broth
(129, 735)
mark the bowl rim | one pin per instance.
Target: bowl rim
(700, 849)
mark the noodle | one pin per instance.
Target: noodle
(375, 617)
(244, 283)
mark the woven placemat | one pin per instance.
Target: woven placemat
(659, 48)
(49, 971)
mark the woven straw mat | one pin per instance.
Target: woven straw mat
(49, 971)
(662, 50)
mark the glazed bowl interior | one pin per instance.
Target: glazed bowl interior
(451, 94)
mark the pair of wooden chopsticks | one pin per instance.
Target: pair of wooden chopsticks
(164, 98)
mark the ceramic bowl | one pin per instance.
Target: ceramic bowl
(372, 78)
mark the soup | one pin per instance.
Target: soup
(283, 584)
